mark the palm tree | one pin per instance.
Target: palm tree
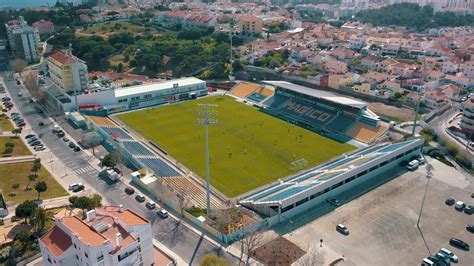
(39, 218)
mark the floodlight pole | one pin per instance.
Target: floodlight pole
(429, 173)
(207, 120)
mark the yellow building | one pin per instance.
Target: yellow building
(68, 72)
(250, 24)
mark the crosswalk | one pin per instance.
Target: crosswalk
(82, 170)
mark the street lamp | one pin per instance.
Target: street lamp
(429, 174)
(206, 119)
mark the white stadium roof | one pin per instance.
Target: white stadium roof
(318, 94)
(153, 87)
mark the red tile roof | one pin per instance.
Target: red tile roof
(57, 241)
(82, 231)
(62, 58)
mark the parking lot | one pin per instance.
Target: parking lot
(382, 223)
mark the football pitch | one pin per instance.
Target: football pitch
(248, 148)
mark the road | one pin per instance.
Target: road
(183, 241)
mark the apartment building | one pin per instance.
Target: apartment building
(250, 24)
(110, 235)
(68, 72)
(467, 121)
(22, 39)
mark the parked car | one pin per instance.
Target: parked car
(76, 149)
(72, 145)
(78, 188)
(41, 124)
(413, 165)
(427, 262)
(31, 101)
(162, 213)
(342, 229)
(334, 202)
(60, 133)
(35, 143)
(65, 139)
(32, 139)
(452, 256)
(140, 198)
(150, 205)
(74, 185)
(469, 209)
(129, 190)
(459, 244)
(20, 94)
(29, 136)
(39, 148)
(459, 205)
(470, 228)
(6, 99)
(450, 201)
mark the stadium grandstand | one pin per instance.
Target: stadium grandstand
(135, 152)
(323, 112)
(334, 179)
(252, 91)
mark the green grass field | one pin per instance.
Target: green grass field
(248, 148)
(18, 173)
(20, 148)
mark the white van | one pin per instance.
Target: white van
(413, 165)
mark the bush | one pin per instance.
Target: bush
(196, 211)
(8, 150)
(464, 159)
(10, 144)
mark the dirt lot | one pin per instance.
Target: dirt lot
(392, 112)
(382, 223)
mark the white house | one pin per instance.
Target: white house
(110, 235)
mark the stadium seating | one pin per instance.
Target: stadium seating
(341, 123)
(270, 191)
(192, 191)
(101, 121)
(117, 131)
(136, 149)
(318, 116)
(256, 97)
(159, 167)
(366, 133)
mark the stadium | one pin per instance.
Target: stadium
(278, 148)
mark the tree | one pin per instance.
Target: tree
(248, 245)
(39, 218)
(16, 131)
(25, 209)
(30, 80)
(36, 167)
(72, 199)
(109, 160)
(15, 186)
(313, 257)
(83, 203)
(40, 187)
(96, 201)
(31, 178)
(119, 68)
(213, 260)
(18, 65)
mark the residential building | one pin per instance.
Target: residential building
(469, 69)
(68, 72)
(110, 235)
(467, 121)
(250, 24)
(43, 27)
(22, 39)
(451, 91)
(435, 98)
